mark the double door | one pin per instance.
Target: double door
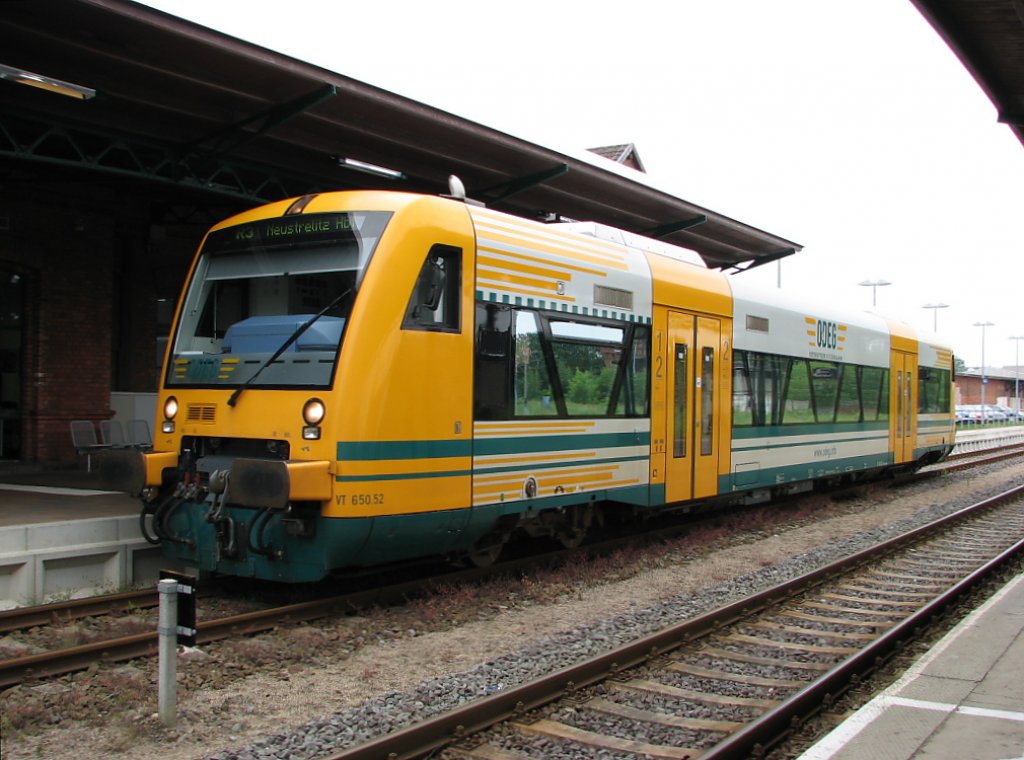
(903, 406)
(692, 362)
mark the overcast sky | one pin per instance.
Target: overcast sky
(847, 127)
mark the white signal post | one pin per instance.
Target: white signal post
(168, 637)
(984, 380)
(1016, 371)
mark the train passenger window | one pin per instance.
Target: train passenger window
(798, 408)
(824, 390)
(492, 381)
(758, 388)
(532, 382)
(680, 425)
(770, 383)
(631, 393)
(849, 408)
(587, 358)
(742, 394)
(532, 363)
(875, 392)
(707, 401)
(933, 390)
(435, 301)
(771, 390)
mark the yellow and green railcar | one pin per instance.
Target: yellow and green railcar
(357, 378)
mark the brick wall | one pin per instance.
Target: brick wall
(95, 264)
(65, 254)
(969, 389)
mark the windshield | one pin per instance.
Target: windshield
(255, 284)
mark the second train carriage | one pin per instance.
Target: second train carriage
(358, 378)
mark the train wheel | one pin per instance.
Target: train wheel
(573, 529)
(486, 556)
(571, 538)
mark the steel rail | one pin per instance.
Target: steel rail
(988, 456)
(773, 726)
(45, 614)
(70, 659)
(437, 732)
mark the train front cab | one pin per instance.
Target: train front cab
(239, 481)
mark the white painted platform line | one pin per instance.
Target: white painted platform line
(837, 739)
(56, 491)
(977, 712)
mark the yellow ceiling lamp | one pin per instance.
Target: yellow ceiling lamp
(49, 84)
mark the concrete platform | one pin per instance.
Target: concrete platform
(27, 504)
(970, 440)
(963, 699)
(58, 541)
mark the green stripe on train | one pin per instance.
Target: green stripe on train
(773, 476)
(484, 470)
(368, 451)
(830, 428)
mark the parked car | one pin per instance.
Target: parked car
(968, 414)
(994, 413)
(1012, 415)
(976, 414)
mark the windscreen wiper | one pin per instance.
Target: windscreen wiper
(284, 346)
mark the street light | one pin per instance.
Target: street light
(935, 313)
(1016, 370)
(983, 325)
(874, 285)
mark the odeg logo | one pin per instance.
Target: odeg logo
(828, 334)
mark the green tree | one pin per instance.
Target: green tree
(583, 387)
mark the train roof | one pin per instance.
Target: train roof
(197, 111)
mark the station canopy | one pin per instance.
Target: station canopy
(988, 38)
(127, 91)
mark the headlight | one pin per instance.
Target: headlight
(313, 412)
(170, 407)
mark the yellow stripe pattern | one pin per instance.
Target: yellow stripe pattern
(512, 476)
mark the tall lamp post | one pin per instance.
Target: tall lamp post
(874, 285)
(983, 325)
(935, 313)
(1016, 370)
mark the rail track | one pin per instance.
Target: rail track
(61, 661)
(736, 681)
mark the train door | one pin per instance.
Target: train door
(903, 406)
(692, 363)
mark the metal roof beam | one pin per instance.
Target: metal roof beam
(766, 259)
(228, 139)
(665, 230)
(519, 184)
(35, 140)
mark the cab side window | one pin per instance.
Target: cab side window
(435, 303)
